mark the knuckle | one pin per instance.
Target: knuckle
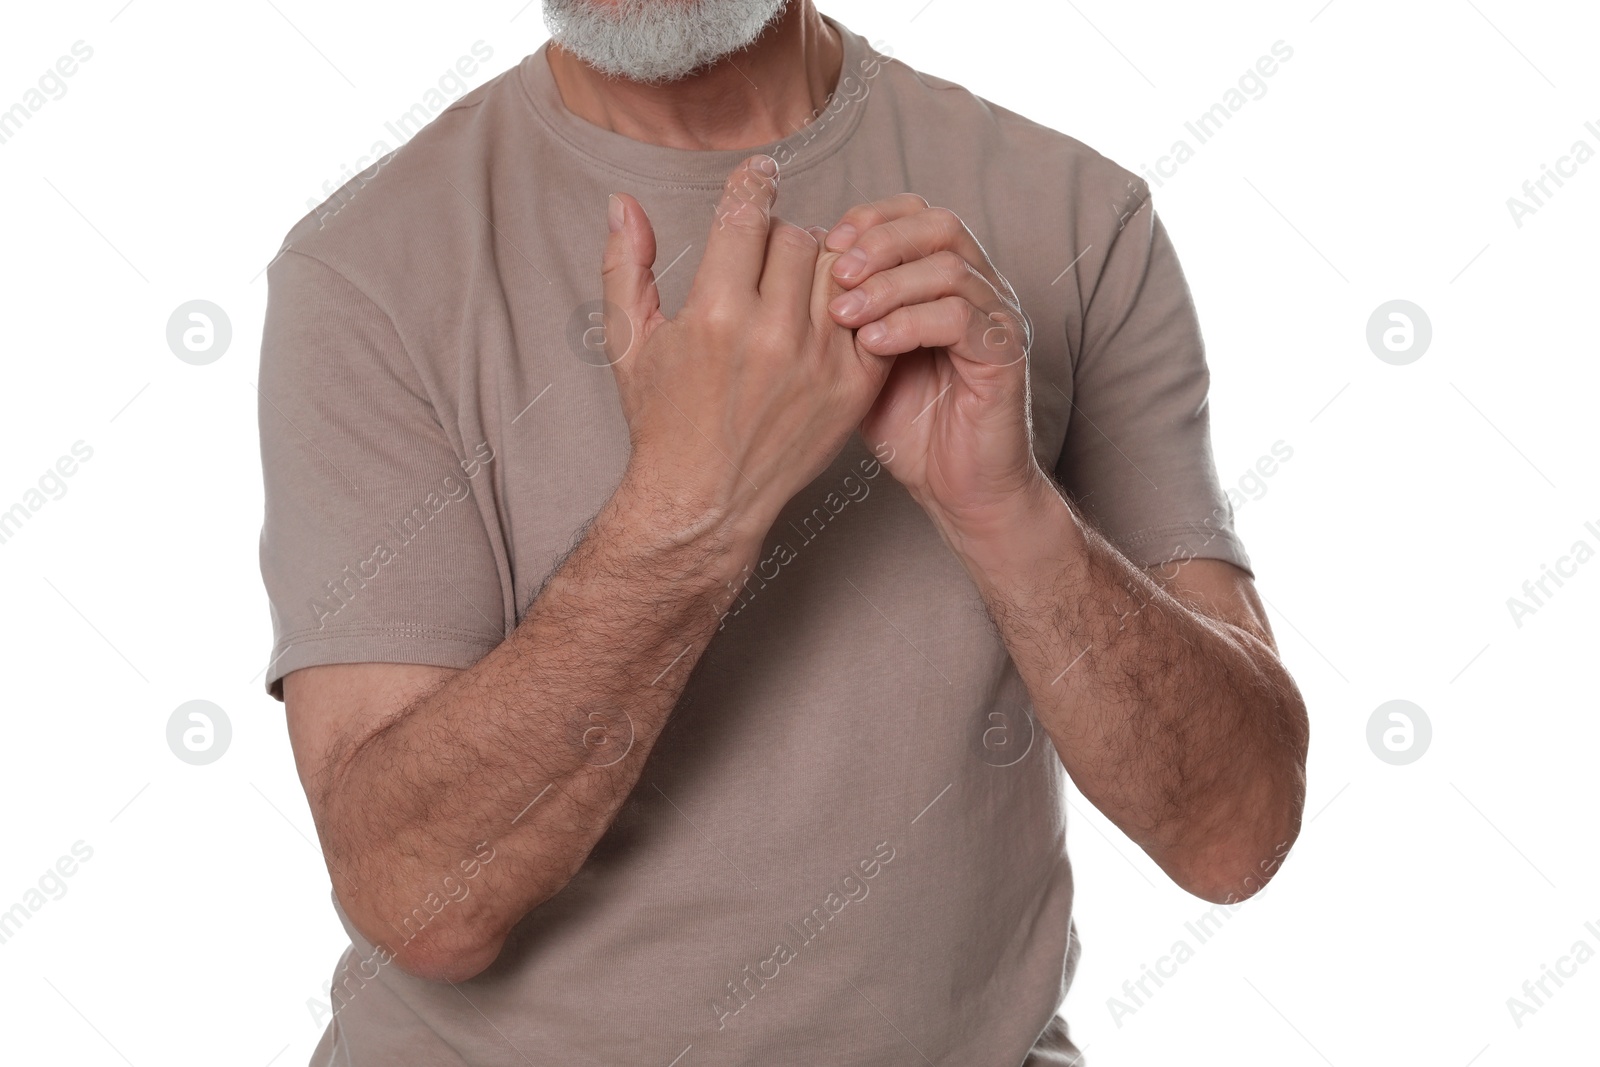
(877, 244)
(788, 237)
(877, 213)
(719, 314)
(745, 216)
(856, 218)
(884, 289)
(768, 335)
(946, 220)
(951, 268)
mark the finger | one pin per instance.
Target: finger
(787, 275)
(913, 237)
(824, 288)
(737, 245)
(863, 217)
(627, 278)
(918, 282)
(982, 339)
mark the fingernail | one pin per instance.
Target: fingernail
(842, 237)
(873, 334)
(614, 213)
(767, 165)
(848, 304)
(850, 264)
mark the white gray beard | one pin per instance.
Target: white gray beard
(656, 41)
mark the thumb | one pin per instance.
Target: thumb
(824, 287)
(629, 283)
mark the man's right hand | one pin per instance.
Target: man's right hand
(747, 394)
(733, 406)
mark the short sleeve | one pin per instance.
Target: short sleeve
(373, 548)
(1137, 455)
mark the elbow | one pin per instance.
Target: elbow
(1234, 862)
(1248, 838)
(448, 937)
(444, 945)
(1235, 879)
(446, 956)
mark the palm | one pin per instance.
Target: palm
(938, 426)
(953, 411)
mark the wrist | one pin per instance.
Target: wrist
(1007, 544)
(672, 522)
(987, 527)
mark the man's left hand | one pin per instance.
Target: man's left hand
(954, 410)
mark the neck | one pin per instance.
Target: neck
(754, 97)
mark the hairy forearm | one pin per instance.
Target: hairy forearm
(527, 755)
(1186, 731)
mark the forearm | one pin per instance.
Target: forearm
(1185, 731)
(534, 748)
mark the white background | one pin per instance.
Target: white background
(1417, 500)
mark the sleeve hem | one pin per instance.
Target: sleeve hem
(1155, 545)
(430, 646)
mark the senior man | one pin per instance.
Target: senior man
(686, 616)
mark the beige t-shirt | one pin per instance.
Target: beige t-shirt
(849, 845)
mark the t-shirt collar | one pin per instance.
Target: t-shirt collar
(707, 168)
